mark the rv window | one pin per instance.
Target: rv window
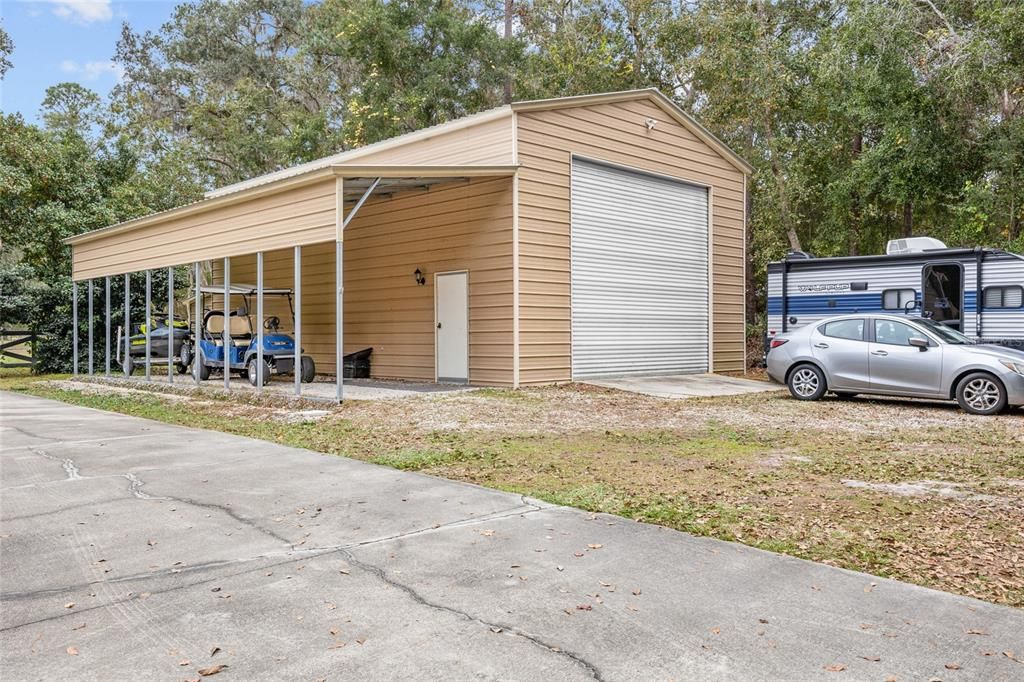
(898, 299)
(852, 330)
(1004, 297)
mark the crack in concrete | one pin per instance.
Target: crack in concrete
(311, 552)
(62, 443)
(135, 488)
(71, 472)
(135, 485)
(382, 575)
(290, 556)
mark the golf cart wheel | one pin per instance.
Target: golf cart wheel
(308, 369)
(200, 368)
(806, 382)
(251, 371)
(128, 366)
(981, 393)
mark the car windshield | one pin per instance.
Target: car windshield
(945, 333)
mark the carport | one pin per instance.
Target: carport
(539, 242)
(352, 187)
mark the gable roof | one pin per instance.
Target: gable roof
(652, 94)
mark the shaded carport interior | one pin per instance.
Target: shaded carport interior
(307, 216)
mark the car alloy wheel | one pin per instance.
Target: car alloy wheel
(982, 394)
(805, 382)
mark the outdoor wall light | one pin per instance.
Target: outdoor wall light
(420, 278)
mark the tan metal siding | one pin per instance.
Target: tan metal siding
(459, 226)
(614, 133)
(485, 144)
(303, 215)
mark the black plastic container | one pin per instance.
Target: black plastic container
(357, 365)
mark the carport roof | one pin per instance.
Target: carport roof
(357, 179)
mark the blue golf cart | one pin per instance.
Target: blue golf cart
(279, 353)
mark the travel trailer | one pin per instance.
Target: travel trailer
(979, 292)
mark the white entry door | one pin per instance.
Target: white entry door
(451, 310)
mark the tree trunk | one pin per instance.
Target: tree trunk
(508, 36)
(908, 219)
(853, 232)
(780, 184)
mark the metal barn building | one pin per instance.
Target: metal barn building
(540, 242)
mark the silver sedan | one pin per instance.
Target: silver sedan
(897, 356)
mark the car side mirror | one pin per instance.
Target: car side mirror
(918, 342)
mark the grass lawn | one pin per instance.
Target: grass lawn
(916, 491)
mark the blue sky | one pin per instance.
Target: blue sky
(68, 40)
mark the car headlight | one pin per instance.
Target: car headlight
(1014, 366)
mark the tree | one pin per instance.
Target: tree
(234, 84)
(415, 63)
(6, 49)
(71, 108)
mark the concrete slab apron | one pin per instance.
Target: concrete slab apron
(131, 550)
(687, 385)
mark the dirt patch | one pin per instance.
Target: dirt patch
(923, 489)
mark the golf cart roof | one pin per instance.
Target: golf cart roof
(246, 290)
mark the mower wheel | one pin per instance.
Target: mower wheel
(128, 366)
(251, 371)
(308, 369)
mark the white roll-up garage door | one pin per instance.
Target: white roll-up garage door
(639, 273)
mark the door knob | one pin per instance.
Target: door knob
(438, 325)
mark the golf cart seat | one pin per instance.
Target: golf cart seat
(240, 326)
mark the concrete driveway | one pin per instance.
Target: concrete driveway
(136, 550)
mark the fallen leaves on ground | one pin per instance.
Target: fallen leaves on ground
(835, 668)
(72, 651)
(213, 669)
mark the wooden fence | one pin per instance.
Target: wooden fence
(17, 348)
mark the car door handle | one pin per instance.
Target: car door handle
(882, 353)
(821, 345)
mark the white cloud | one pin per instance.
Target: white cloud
(92, 71)
(82, 11)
